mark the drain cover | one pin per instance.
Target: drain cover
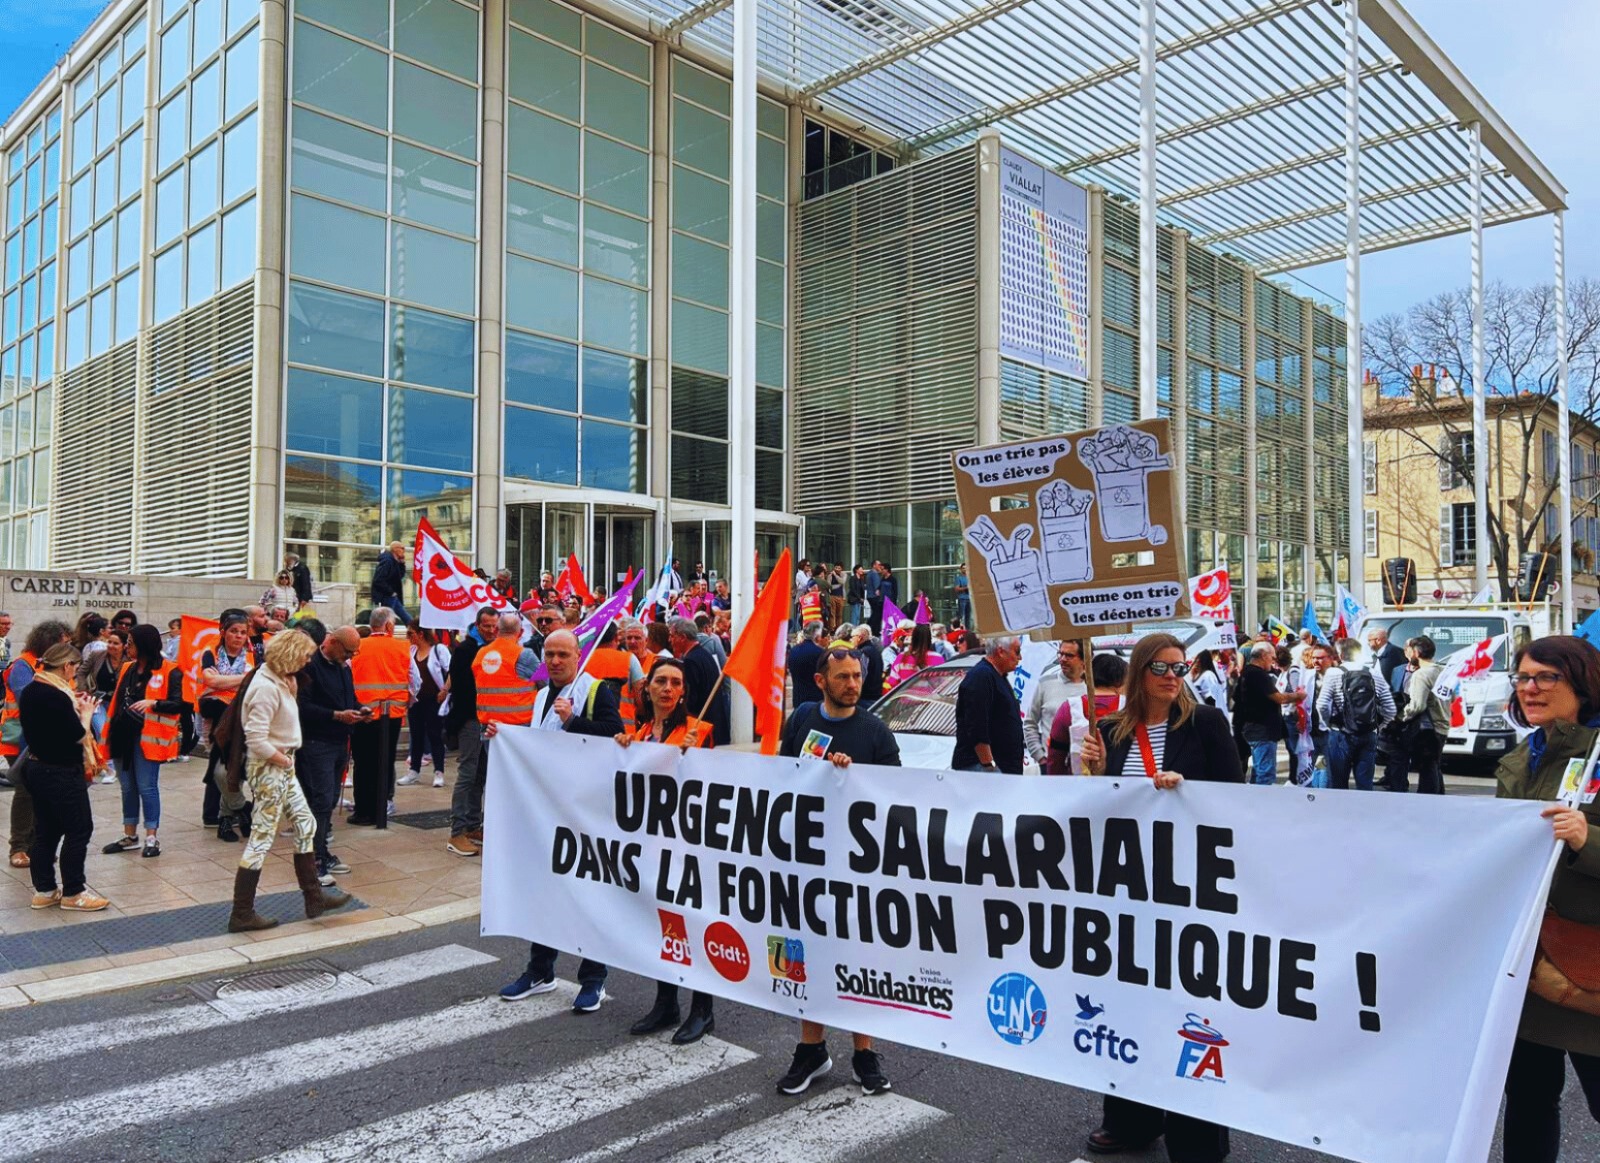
(285, 982)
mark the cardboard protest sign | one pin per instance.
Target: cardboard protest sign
(1075, 532)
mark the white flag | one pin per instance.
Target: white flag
(451, 594)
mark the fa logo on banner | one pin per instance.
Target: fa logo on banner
(675, 945)
(1200, 1058)
(786, 962)
(1017, 1009)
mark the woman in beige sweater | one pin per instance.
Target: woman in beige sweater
(270, 717)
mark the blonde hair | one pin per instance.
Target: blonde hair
(288, 652)
(1135, 703)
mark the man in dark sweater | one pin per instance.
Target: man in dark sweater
(700, 673)
(328, 709)
(839, 730)
(803, 659)
(988, 717)
(388, 580)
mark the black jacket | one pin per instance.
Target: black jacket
(463, 683)
(987, 712)
(301, 575)
(855, 589)
(1202, 749)
(605, 719)
(1390, 657)
(871, 672)
(803, 661)
(889, 589)
(700, 673)
(325, 687)
(387, 578)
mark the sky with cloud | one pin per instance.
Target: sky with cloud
(1536, 61)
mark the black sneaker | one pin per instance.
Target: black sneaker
(866, 1069)
(336, 866)
(811, 1062)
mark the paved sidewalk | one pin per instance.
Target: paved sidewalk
(393, 873)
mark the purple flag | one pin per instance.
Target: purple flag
(922, 616)
(591, 628)
(892, 616)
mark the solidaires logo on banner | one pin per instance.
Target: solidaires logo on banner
(1182, 948)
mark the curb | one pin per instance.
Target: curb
(239, 957)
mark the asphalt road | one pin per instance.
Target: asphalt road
(395, 1049)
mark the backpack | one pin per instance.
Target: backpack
(1360, 714)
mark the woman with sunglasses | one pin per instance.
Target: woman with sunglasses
(664, 718)
(1164, 734)
(1555, 686)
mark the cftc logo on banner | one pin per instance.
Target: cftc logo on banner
(1017, 1009)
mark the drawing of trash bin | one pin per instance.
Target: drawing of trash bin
(1122, 459)
(1064, 529)
(1016, 572)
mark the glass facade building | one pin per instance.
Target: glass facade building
(287, 275)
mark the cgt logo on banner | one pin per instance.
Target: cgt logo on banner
(1211, 600)
(950, 909)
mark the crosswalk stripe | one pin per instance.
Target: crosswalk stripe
(484, 1122)
(187, 1019)
(823, 1129)
(239, 1079)
(661, 1130)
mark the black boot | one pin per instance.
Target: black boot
(319, 900)
(663, 1014)
(245, 820)
(699, 1023)
(225, 830)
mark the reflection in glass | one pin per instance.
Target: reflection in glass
(336, 244)
(541, 371)
(616, 246)
(616, 105)
(541, 222)
(239, 243)
(615, 316)
(542, 148)
(616, 175)
(431, 268)
(203, 184)
(700, 271)
(331, 499)
(434, 189)
(368, 19)
(440, 33)
(541, 297)
(614, 386)
(202, 264)
(430, 428)
(339, 75)
(435, 110)
(335, 330)
(445, 500)
(243, 78)
(175, 54)
(127, 307)
(333, 158)
(239, 159)
(130, 166)
(699, 205)
(541, 446)
(204, 100)
(699, 337)
(544, 75)
(172, 124)
(334, 415)
(427, 348)
(100, 323)
(699, 470)
(612, 456)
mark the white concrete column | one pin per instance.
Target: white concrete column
(1564, 419)
(1149, 346)
(266, 422)
(489, 527)
(1180, 385)
(989, 287)
(660, 431)
(1252, 502)
(1480, 424)
(1097, 305)
(1352, 290)
(742, 340)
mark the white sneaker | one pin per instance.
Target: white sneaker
(347, 805)
(408, 779)
(391, 807)
(108, 777)
(438, 779)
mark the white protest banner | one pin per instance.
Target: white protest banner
(1183, 948)
(1211, 601)
(452, 595)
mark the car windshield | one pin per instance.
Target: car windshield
(925, 703)
(1449, 634)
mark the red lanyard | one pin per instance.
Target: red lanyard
(1149, 755)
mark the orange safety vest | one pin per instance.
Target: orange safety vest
(227, 696)
(677, 737)
(608, 664)
(503, 696)
(12, 750)
(382, 674)
(811, 606)
(159, 739)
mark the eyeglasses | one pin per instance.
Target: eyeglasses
(1545, 680)
(1162, 669)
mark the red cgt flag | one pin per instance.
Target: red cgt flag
(571, 581)
(757, 659)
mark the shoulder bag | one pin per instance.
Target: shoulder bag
(1566, 967)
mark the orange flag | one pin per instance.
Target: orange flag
(195, 637)
(757, 659)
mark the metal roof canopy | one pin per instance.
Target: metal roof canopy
(1250, 106)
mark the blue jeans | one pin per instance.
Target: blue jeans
(141, 787)
(1263, 761)
(392, 602)
(964, 610)
(1351, 754)
(855, 613)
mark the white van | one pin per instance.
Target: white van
(1489, 732)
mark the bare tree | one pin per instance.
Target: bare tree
(1520, 362)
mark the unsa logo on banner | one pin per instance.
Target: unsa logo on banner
(1017, 1009)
